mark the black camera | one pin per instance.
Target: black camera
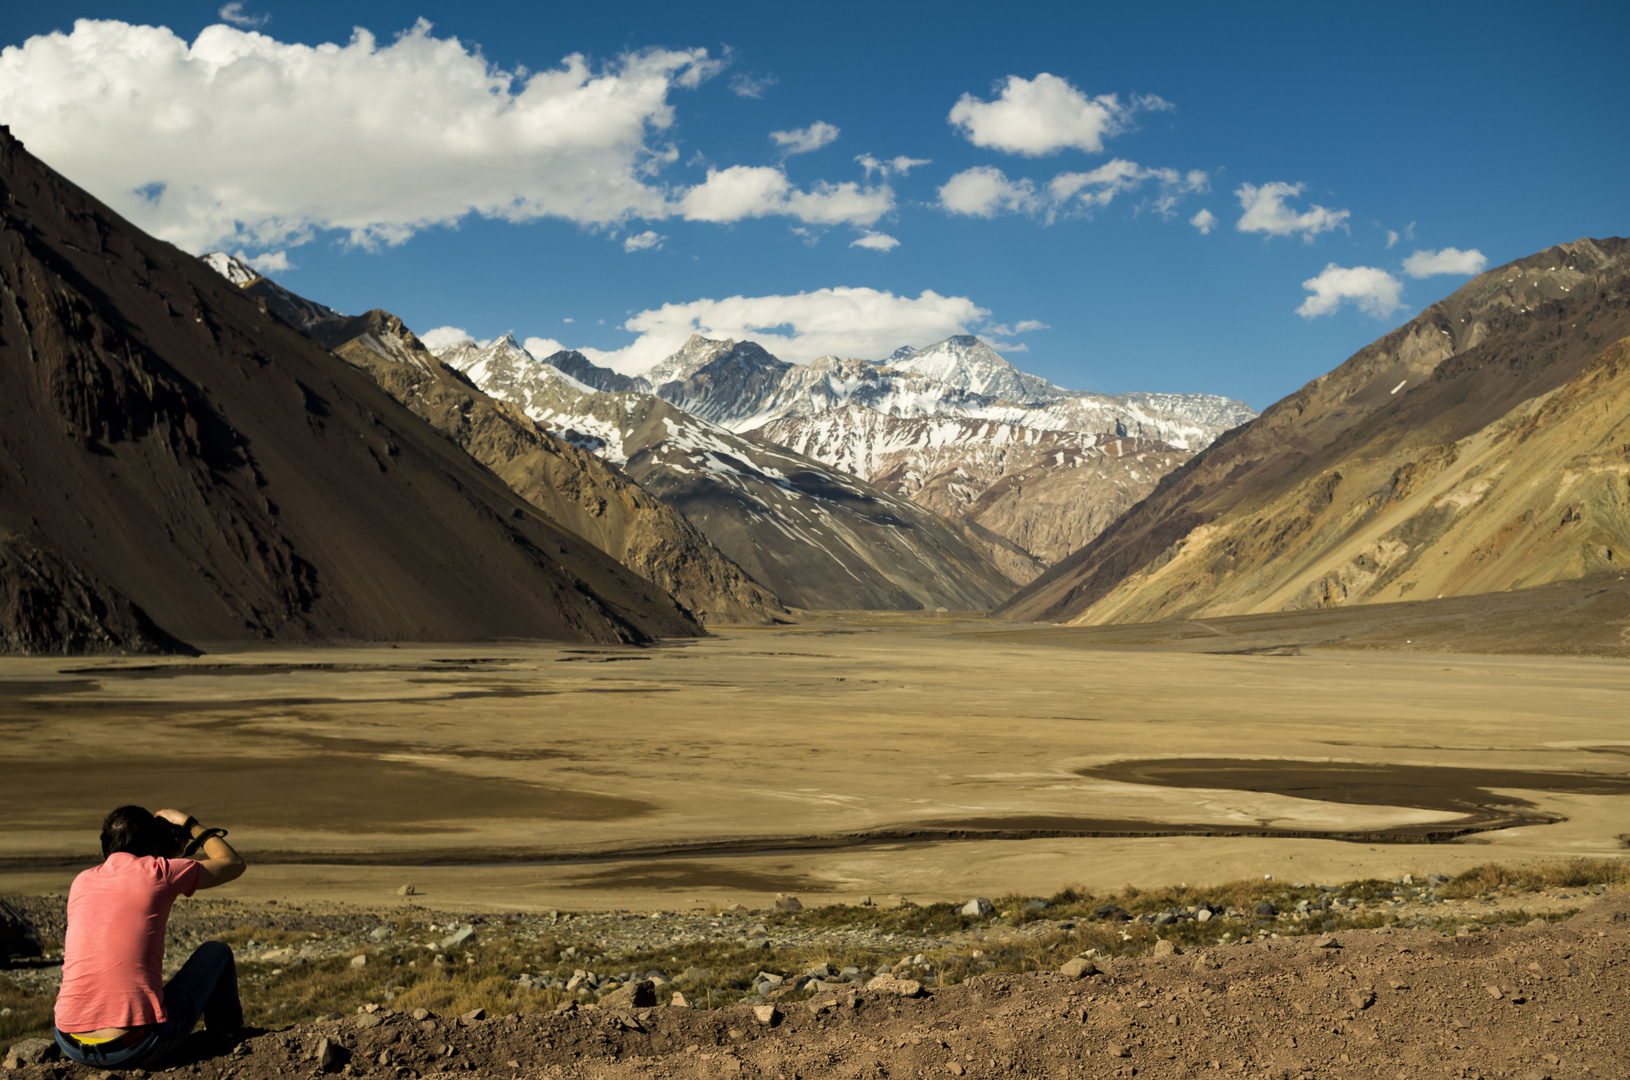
(172, 838)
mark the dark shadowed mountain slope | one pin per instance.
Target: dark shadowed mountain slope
(167, 447)
(586, 495)
(1480, 447)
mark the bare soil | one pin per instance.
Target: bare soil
(1544, 1001)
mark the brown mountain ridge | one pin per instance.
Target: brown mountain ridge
(184, 468)
(1481, 447)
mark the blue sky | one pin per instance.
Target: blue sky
(1056, 160)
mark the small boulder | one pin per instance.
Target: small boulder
(330, 1056)
(420, 1014)
(360, 960)
(367, 1020)
(888, 984)
(1325, 941)
(785, 902)
(474, 1015)
(406, 890)
(1079, 968)
(458, 937)
(31, 1052)
(767, 1014)
(639, 994)
(1165, 947)
(680, 1001)
(979, 908)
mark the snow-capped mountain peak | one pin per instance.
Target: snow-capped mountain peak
(965, 362)
(230, 267)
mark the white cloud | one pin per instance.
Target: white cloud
(1205, 221)
(543, 348)
(751, 86)
(1376, 292)
(984, 191)
(234, 14)
(1393, 235)
(839, 321)
(445, 337)
(744, 191)
(1044, 115)
(876, 241)
(645, 241)
(901, 165)
(1023, 326)
(239, 140)
(1266, 212)
(1448, 261)
(803, 140)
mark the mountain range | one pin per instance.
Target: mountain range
(1484, 446)
(176, 467)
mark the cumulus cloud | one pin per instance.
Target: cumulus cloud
(241, 141)
(234, 14)
(1045, 115)
(744, 191)
(645, 241)
(1266, 212)
(841, 321)
(446, 337)
(1448, 261)
(985, 191)
(543, 348)
(876, 241)
(901, 165)
(1374, 291)
(1205, 221)
(803, 140)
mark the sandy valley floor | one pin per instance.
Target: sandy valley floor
(840, 757)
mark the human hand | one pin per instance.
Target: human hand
(174, 817)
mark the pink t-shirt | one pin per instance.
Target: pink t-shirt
(113, 957)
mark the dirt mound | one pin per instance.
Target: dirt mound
(191, 460)
(1538, 1002)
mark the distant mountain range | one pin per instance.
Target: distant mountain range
(1027, 471)
(1483, 446)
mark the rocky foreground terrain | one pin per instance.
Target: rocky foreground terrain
(1386, 994)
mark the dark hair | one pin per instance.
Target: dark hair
(130, 829)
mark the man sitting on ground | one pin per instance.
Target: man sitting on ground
(114, 1011)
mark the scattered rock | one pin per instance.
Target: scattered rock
(330, 1056)
(473, 1015)
(767, 1014)
(680, 1001)
(979, 908)
(1494, 991)
(406, 890)
(31, 1052)
(1205, 962)
(367, 1020)
(1361, 999)
(1116, 1050)
(360, 960)
(458, 937)
(785, 902)
(1266, 910)
(1079, 968)
(1325, 941)
(420, 1014)
(380, 933)
(640, 994)
(1165, 947)
(695, 974)
(888, 984)
(955, 1068)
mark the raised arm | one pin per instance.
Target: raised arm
(220, 863)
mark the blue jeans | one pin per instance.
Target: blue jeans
(206, 986)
